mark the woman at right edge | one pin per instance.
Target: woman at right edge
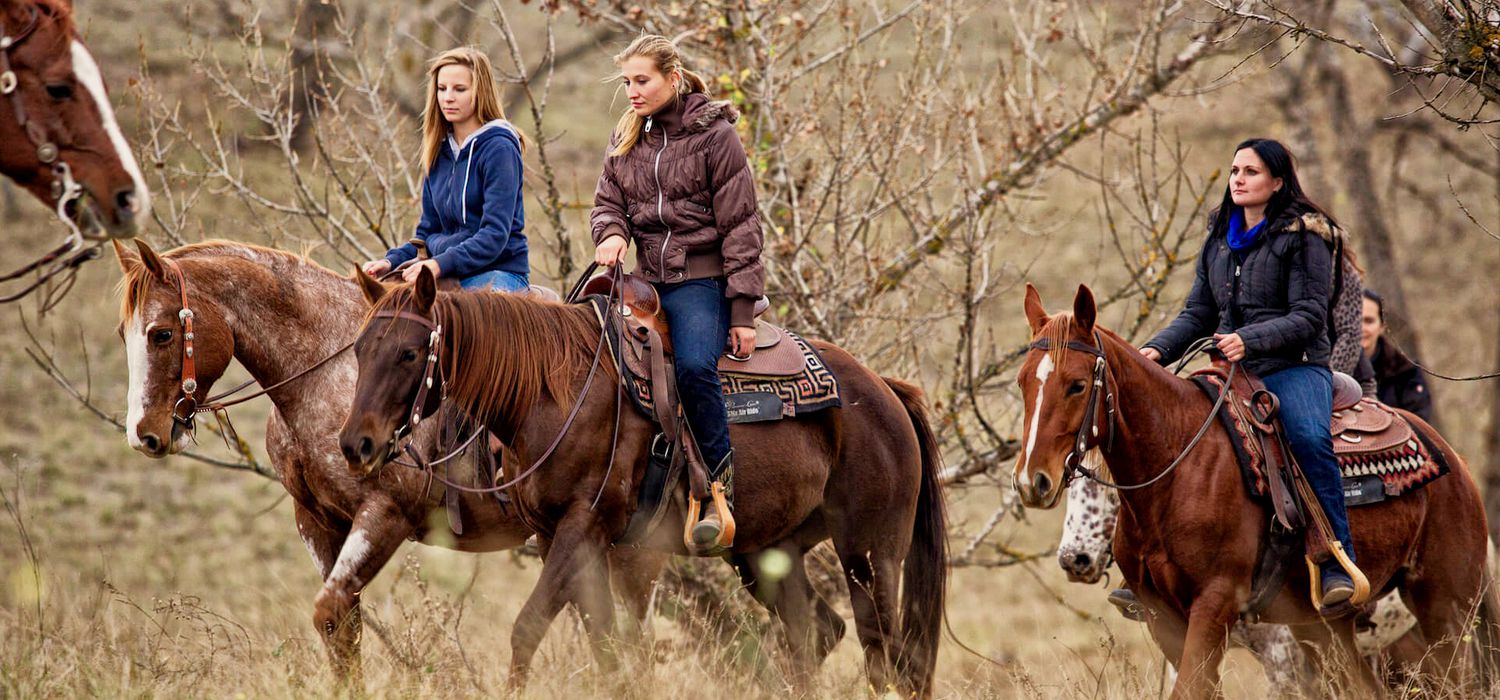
(1264, 291)
(676, 181)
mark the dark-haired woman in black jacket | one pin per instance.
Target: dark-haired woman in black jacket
(1264, 290)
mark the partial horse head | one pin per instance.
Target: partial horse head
(153, 325)
(397, 356)
(58, 135)
(1055, 383)
(1087, 546)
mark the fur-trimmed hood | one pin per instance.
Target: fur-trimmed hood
(1311, 221)
(695, 114)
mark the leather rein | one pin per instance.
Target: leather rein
(65, 189)
(1102, 406)
(430, 377)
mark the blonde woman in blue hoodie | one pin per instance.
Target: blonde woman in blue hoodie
(472, 214)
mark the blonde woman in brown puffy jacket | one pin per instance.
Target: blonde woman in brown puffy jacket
(676, 183)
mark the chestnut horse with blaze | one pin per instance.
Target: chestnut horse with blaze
(863, 475)
(1188, 543)
(58, 135)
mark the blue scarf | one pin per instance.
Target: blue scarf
(1239, 238)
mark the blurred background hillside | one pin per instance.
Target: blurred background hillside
(917, 163)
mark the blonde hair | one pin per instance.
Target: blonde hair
(487, 106)
(663, 53)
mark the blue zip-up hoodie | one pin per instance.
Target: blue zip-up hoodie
(472, 210)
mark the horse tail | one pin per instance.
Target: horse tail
(1488, 632)
(926, 567)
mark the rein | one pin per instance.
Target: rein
(1073, 464)
(425, 385)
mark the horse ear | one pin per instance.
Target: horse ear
(151, 260)
(1035, 314)
(1084, 311)
(371, 287)
(129, 260)
(426, 289)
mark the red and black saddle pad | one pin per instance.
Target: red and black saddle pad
(1373, 444)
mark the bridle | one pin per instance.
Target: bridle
(430, 376)
(185, 411)
(1102, 406)
(65, 189)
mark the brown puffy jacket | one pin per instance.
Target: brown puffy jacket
(685, 195)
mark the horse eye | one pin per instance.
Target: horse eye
(1076, 388)
(161, 337)
(60, 91)
(408, 355)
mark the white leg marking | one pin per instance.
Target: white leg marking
(135, 357)
(87, 72)
(355, 550)
(1043, 370)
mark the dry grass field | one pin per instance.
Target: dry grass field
(126, 577)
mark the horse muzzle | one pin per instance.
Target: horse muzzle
(1082, 567)
(1040, 491)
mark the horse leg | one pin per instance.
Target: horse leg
(575, 571)
(1280, 657)
(873, 576)
(1442, 619)
(1212, 613)
(634, 572)
(1331, 647)
(323, 544)
(790, 597)
(375, 534)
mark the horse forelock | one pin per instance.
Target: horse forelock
(1058, 331)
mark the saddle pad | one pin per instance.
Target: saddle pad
(812, 389)
(1392, 451)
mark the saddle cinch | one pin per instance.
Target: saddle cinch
(1380, 456)
(784, 377)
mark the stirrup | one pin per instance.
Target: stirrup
(1315, 576)
(725, 540)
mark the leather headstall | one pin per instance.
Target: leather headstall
(1100, 407)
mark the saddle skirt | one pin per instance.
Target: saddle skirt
(1370, 440)
(783, 378)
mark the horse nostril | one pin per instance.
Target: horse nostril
(126, 203)
(1041, 485)
(1081, 561)
(366, 448)
(151, 442)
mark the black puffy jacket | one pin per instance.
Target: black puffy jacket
(1276, 294)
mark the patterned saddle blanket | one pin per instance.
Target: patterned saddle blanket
(1380, 455)
(785, 376)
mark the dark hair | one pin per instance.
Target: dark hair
(1374, 296)
(1288, 199)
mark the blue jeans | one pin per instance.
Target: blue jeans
(497, 280)
(1306, 393)
(699, 316)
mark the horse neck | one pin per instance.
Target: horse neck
(285, 314)
(1157, 415)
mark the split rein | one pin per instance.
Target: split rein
(1100, 393)
(426, 384)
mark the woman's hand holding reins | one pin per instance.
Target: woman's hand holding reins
(742, 342)
(376, 268)
(611, 251)
(1232, 345)
(410, 273)
(1151, 354)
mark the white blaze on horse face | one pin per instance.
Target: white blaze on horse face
(1043, 370)
(136, 360)
(87, 72)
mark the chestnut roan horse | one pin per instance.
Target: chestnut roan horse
(279, 315)
(58, 135)
(1188, 544)
(864, 475)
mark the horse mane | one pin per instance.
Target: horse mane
(59, 12)
(504, 350)
(137, 280)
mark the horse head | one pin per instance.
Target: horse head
(58, 135)
(171, 366)
(1087, 546)
(399, 381)
(1062, 383)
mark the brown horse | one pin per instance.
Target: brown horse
(58, 136)
(864, 475)
(1188, 544)
(278, 314)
